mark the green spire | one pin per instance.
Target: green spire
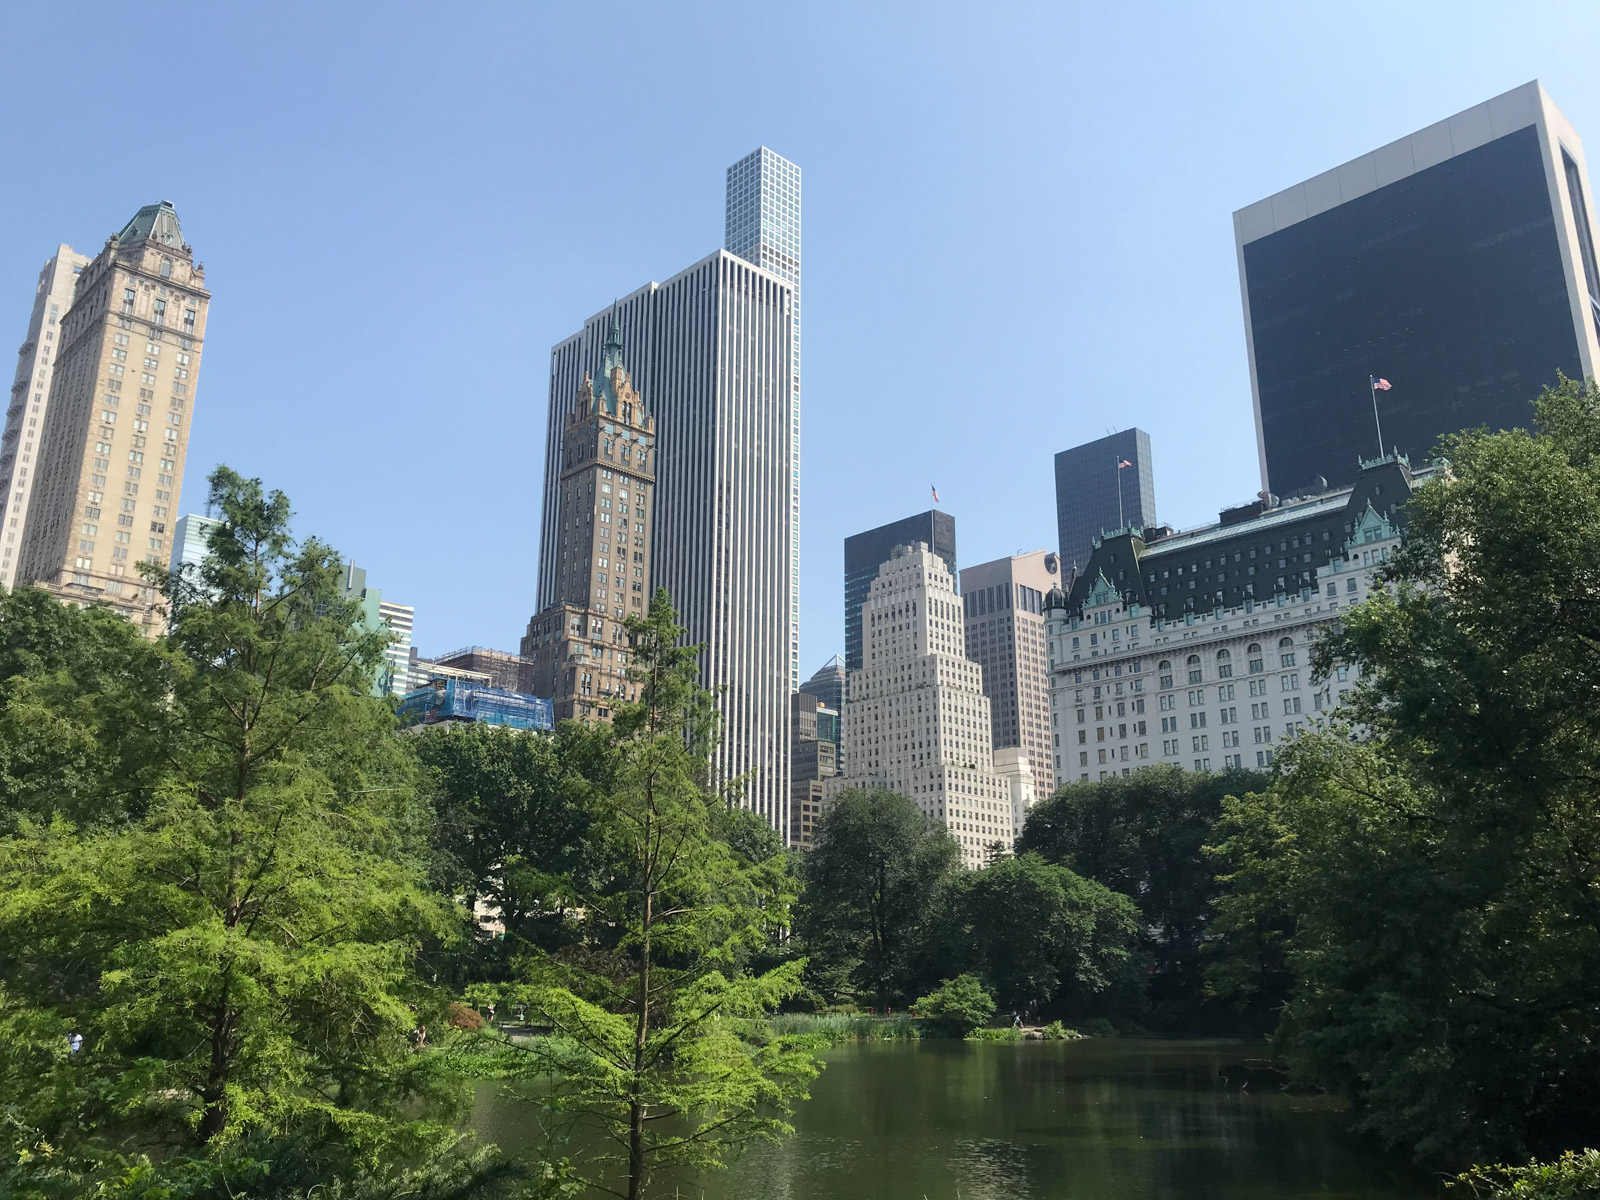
(611, 360)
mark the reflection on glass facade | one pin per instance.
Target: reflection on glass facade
(1448, 283)
(1087, 486)
(865, 552)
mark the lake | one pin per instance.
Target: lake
(1102, 1119)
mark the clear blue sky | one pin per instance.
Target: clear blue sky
(1017, 232)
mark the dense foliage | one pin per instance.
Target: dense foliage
(956, 1007)
(227, 937)
(1432, 890)
(887, 913)
(1143, 835)
(658, 1026)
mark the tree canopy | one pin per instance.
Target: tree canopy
(234, 952)
(1436, 872)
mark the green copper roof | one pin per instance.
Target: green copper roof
(611, 360)
(153, 222)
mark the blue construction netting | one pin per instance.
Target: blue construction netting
(455, 700)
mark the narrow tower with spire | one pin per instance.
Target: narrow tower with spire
(606, 496)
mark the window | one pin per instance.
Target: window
(1224, 665)
(1165, 667)
(1193, 665)
(1254, 651)
(159, 315)
(1291, 704)
(127, 301)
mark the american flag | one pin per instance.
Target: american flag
(935, 492)
(1381, 385)
(1123, 463)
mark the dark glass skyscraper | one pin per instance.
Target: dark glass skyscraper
(865, 552)
(1457, 264)
(1088, 483)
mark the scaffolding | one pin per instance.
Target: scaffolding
(446, 700)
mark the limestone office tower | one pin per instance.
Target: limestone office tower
(30, 398)
(710, 349)
(117, 425)
(1457, 263)
(916, 720)
(763, 227)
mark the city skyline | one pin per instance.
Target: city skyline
(870, 313)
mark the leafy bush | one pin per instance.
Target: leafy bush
(835, 1028)
(1571, 1177)
(1005, 1033)
(1057, 1032)
(464, 1016)
(956, 1007)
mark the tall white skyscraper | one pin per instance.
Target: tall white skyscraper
(916, 720)
(763, 227)
(30, 396)
(711, 348)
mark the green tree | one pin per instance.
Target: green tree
(659, 1034)
(871, 877)
(511, 826)
(956, 1007)
(85, 731)
(1440, 880)
(1144, 835)
(1033, 931)
(239, 956)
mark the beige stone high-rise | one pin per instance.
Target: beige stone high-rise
(117, 424)
(916, 720)
(579, 645)
(1003, 610)
(30, 398)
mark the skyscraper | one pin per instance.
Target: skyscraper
(30, 398)
(865, 552)
(763, 227)
(394, 677)
(827, 684)
(191, 540)
(1003, 608)
(916, 720)
(577, 642)
(710, 348)
(1457, 263)
(117, 426)
(1095, 494)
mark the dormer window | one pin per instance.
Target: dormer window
(166, 268)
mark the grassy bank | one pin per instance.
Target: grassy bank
(838, 1028)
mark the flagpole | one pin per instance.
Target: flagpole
(1372, 383)
(1116, 471)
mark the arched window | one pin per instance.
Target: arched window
(1286, 652)
(166, 268)
(1254, 652)
(1166, 673)
(1285, 642)
(1224, 665)
(1193, 663)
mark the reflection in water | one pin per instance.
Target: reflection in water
(1093, 1120)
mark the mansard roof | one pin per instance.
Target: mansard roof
(1224, 564)
(153, 223)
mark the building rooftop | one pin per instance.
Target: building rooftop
(153, 223)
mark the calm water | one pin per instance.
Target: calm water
(1092, 1120)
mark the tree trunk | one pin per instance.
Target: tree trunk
(636, 1109)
